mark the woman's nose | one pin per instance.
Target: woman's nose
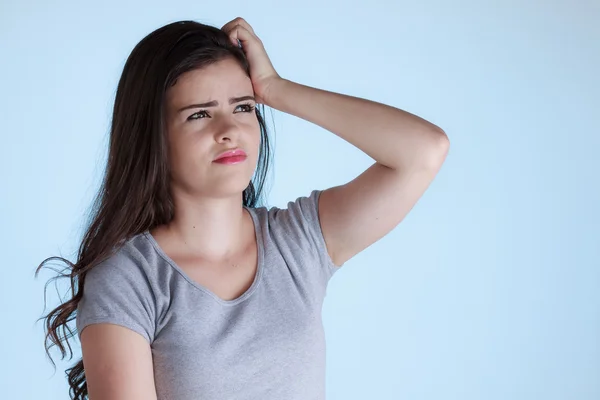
(227, 130)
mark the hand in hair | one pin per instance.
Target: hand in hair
(262, 72)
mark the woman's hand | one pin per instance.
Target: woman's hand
(262, 73)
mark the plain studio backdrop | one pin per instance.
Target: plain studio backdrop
(489, 289)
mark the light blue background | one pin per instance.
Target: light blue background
(489, 289)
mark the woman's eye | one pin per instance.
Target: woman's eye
(200, 114)
(246, 107)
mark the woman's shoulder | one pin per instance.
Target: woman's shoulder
(303, 210)
(301, 206)
(131, 258)
(297, 222)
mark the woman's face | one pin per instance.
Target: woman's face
(198, 134)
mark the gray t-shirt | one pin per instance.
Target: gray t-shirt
(267, 344)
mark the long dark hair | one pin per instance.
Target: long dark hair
(135, 192)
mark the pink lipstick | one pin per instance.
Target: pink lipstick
(231, 157)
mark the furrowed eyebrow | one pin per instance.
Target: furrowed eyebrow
(215, 103)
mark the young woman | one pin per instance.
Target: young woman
(184, 288)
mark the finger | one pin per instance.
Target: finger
(238, 21)
(246, 25)
(227, 27)
(230, 26)
(232, 33)
(238, 32)
(239, 36)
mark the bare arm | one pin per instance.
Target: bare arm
(408, 151)
(118, 363)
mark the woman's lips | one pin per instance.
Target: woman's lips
(231, 154)
(231, 159)
(234, 156)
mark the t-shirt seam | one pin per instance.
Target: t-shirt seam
(116, 320)
(321, 238)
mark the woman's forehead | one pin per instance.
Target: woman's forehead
(217, 81)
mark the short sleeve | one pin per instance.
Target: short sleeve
(118, 291)
(301, 221)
